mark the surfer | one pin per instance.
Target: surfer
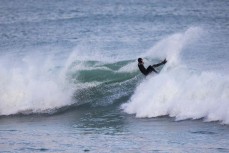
(150, 68)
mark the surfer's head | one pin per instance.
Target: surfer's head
(140, 60)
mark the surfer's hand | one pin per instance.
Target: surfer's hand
(165, 61)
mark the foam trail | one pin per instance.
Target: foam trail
(179, 92)
(32, 85)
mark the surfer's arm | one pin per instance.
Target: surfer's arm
(159, 64)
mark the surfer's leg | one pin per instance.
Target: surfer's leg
(159, 64)
(150, 69)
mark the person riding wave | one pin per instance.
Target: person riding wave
(150, 67)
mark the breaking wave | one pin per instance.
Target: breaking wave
(179, 91)
(39, 84)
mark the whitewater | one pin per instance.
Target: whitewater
(178, 91)
(69, 77)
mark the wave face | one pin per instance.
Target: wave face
(101, 82)
(178, 91)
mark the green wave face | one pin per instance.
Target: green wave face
(100, 83)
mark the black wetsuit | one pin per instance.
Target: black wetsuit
(150, 68)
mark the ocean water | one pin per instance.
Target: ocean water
(69, 80)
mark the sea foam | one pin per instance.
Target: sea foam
(32, 84)
(178, 91)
